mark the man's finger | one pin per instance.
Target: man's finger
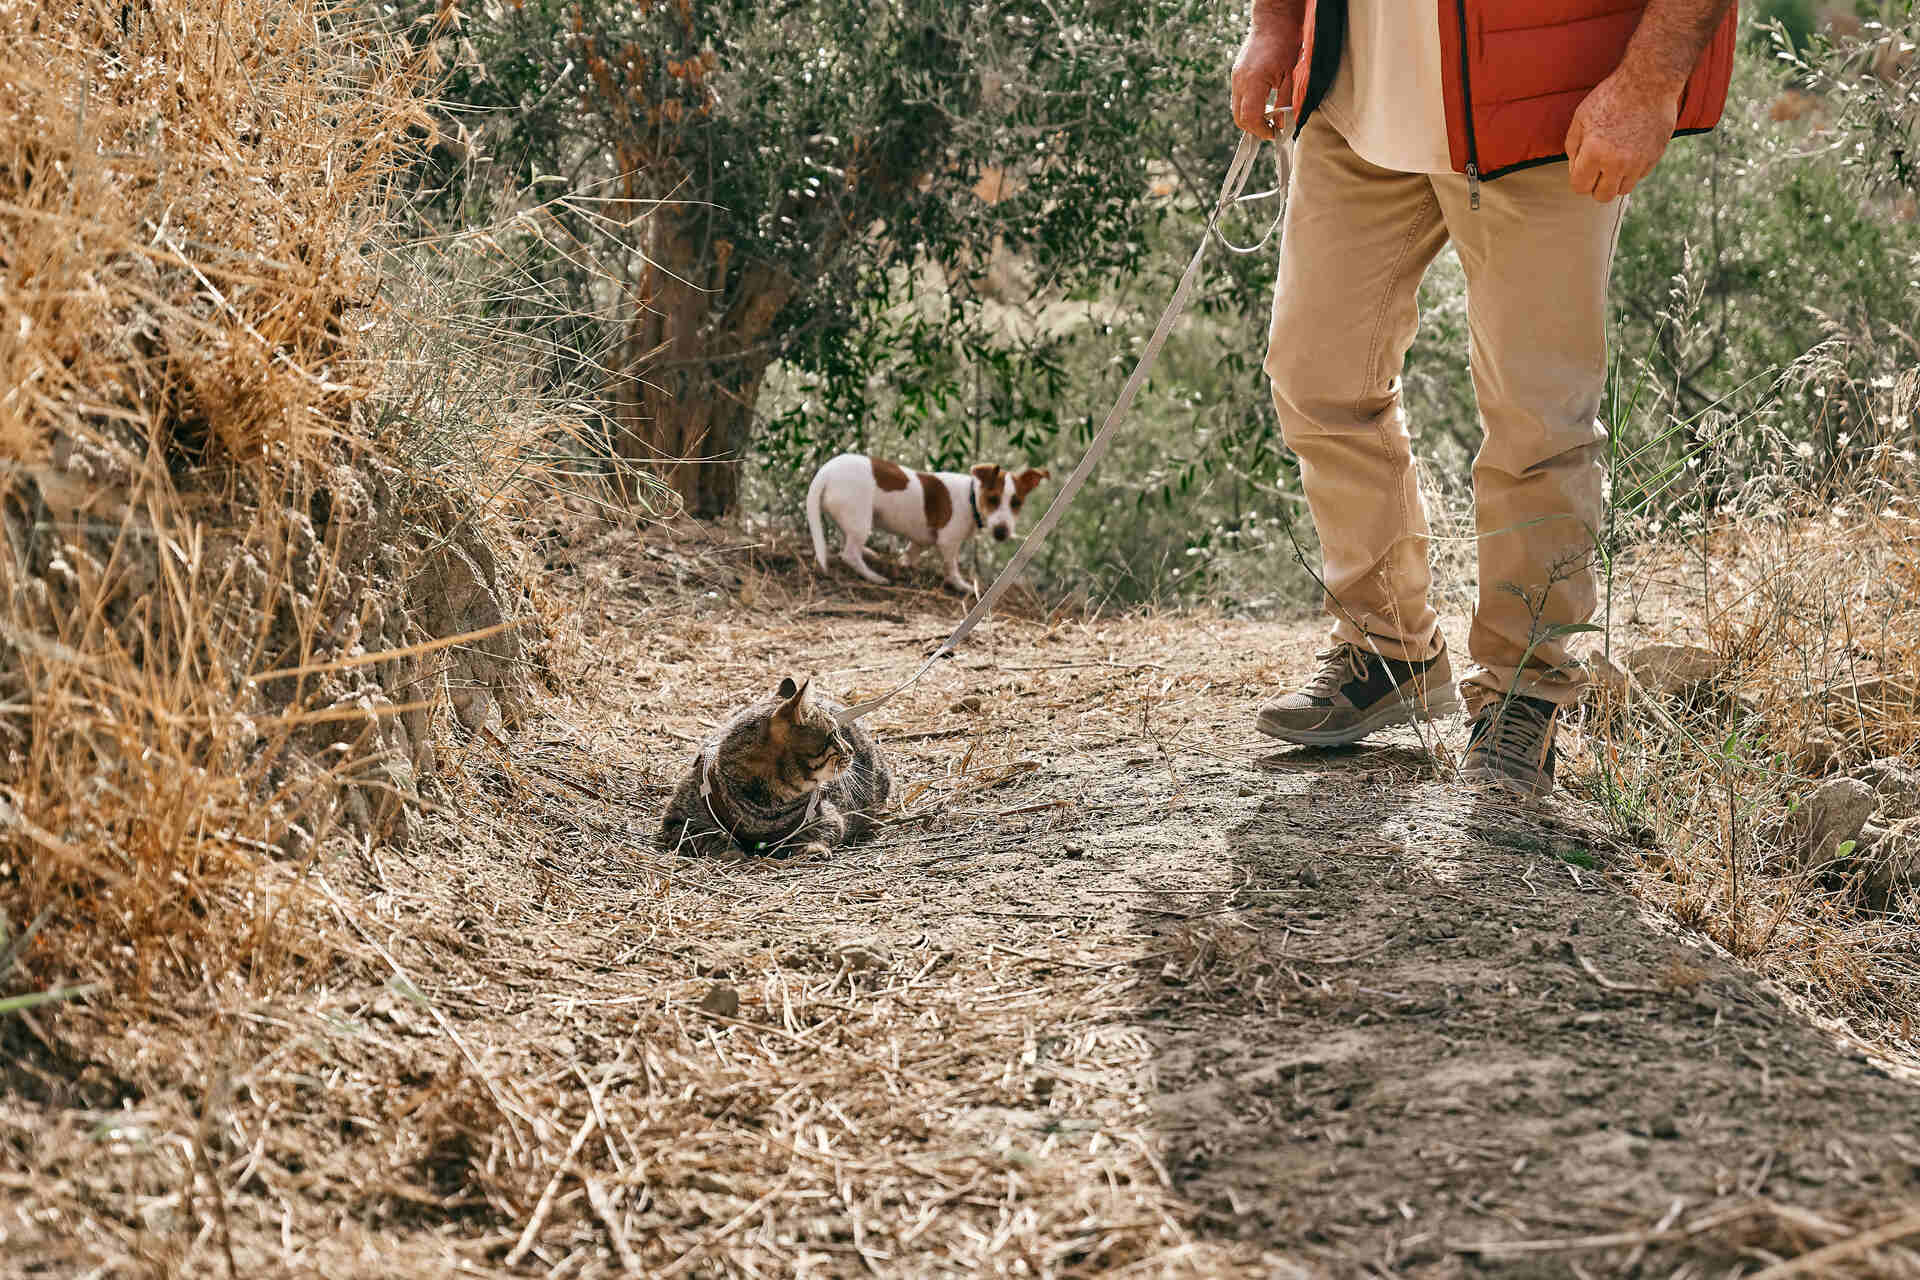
(1583, 171)
(1250, 109)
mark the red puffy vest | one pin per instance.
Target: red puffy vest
(1514, 71)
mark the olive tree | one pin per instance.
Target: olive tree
(752, 183)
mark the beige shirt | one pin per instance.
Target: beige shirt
(1386, 99)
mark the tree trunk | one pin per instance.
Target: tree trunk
(695, 357)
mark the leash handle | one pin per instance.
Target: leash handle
(1230, 189)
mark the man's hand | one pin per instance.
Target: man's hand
(1620, 132)
(1265, 67)
(1622, 129)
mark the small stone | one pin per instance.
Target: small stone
(721, 999)
(1818, 750)
(1663, 1126)
(1897, 786)
(858, 957)
(969, 703)
(1832, 816)
(1673, 668)
(1075, 850)
(1308, 878)
(1892, 864)
(1608, 674)
(1879, 692)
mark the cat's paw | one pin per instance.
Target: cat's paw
(814, 849)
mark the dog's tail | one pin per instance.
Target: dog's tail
(814, 491)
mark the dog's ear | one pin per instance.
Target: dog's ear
(1026, 481)
(988, 474)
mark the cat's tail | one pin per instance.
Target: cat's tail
(814, 491)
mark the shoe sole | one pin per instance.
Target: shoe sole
(1486, 776)
(1395, 710)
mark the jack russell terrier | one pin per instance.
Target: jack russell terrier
(928, 509)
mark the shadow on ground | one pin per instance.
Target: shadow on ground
(1422, 1034)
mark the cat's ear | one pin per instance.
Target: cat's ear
(794, 697)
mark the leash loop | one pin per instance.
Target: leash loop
(1230, 188)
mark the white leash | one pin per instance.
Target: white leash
(1230, 189)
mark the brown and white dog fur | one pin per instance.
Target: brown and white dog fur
(929, 509)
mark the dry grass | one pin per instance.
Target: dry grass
(1808, 596)
(518, 1063)
(928, 1065)
(199, 552)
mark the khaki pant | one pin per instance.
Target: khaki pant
(1357, 240)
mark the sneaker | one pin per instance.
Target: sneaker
(1511, 745)
(1356, 691)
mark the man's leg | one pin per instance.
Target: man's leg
(1537, 257)
(1356, 242)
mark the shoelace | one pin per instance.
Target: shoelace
(1518, 731)
(1339, 664)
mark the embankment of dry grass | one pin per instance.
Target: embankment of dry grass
(222, 610)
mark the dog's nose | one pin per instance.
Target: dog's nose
(1000, 533)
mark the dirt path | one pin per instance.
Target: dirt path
(1124, 990)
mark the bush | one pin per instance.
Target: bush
(1745, 250)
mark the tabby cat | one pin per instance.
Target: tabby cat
(783, 776)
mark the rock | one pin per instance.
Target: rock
(857, 957)
(1872, 692)
(1897, 786)
(1608, 674)
(1818, 750)
(1834, 814)
(1075, 850)
(969, 703)
(1664, 1126)
(1892, 864)
(1673, 668)
(721, 999)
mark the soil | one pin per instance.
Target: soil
(1122, 988)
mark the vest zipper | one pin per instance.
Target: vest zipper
(1466, 95)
